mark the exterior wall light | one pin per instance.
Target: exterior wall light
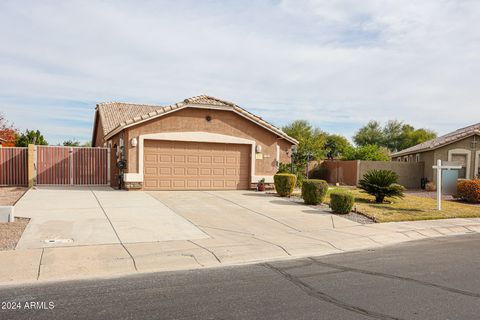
(134, 142)
(258, 148)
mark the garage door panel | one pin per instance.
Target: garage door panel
(196, 165)
(205, 171)
(192, 159)
(165, 171)
(150, 183)
(218, 171)
(165, 158)
(192, 171)
(179, 171)
(151, 171)
(206, 159)
(179, 158)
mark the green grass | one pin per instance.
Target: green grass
(408, 208)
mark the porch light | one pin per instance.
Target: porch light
(134, 142)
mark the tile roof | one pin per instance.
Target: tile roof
(441, 141)
(116, 116)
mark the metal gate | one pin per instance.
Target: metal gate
(72, 165)
(13, 166)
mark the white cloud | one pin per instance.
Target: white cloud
(336, 63)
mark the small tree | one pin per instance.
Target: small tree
(71, 143)
(7, 131)
(31, 137)
(381, 184)
(369, 152)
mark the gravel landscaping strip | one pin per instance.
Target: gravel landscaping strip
(10, 195)
(10, 233)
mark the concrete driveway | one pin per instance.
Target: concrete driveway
(91, 216)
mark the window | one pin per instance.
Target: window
(417, 157)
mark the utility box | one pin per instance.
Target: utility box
(6, 214)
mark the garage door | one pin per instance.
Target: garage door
(176, 165)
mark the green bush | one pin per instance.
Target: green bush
(284, 183)
(298, 171)
(319, 172)
(314, 191)
(381, 184)
(341, 202)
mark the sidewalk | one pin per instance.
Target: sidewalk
(222, 248)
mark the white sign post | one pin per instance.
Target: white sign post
(439, 167)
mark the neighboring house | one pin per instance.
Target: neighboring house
(199, 143)
(461, 146)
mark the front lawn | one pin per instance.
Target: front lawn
(409, 208)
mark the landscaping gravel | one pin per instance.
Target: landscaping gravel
(10, 195)
(10, 232)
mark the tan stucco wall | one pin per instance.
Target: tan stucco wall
(223, 122)
(409, 173)
(98, 139)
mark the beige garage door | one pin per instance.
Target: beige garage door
(177, 165)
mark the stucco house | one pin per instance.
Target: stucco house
(461, 146)
(199, 143)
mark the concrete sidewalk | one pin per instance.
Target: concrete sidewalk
(224, 247)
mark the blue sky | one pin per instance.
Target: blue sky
(335, 63)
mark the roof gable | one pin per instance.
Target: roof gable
(442, 140)
(116, 116)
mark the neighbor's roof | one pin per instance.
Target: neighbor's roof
(441, 141)
(117, 116)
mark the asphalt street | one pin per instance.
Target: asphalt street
(429, 279)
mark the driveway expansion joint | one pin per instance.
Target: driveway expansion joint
(115, 231)
(40, 264)
(208, 250)
(254, 211)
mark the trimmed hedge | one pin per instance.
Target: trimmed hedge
(314, 191)
(341, 202)
(284, 183)
(469, 190)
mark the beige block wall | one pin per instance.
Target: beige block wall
(410, 173)
(223, 122)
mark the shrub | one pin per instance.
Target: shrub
(314, 191)
(469, 190)
(284, 183)
(430, 186)
(298, 171)
(319, 172)
(341, 202)
(381, 184)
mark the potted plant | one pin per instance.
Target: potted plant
(261, 185)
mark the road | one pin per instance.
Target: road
(428, 279)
